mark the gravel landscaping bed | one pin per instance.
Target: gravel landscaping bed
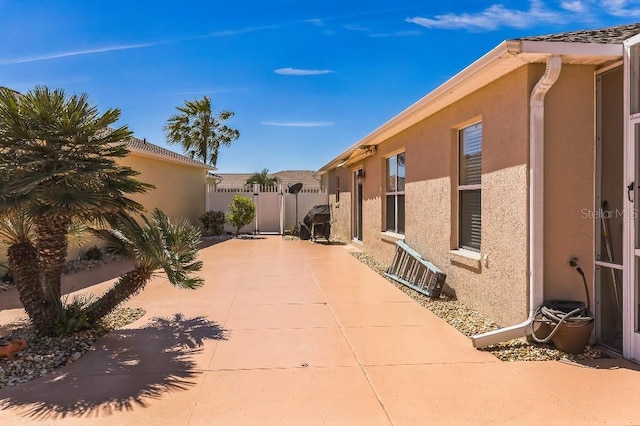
(470, 322)
(74, 266)
(44, 355)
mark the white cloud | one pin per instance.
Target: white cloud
(315, 21)
(226, 33)
(295, 71)
(49, 56)
(297, 123)
(352, 27)
(623, 8)
(575, 6)
(492, 18)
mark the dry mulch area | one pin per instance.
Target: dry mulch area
(470, 322)
(44, 355)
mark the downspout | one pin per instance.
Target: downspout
(536, 209)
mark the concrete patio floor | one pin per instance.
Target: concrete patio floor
(290, 332)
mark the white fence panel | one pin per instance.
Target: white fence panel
(220, 201)
(275, 207)
(305, 202)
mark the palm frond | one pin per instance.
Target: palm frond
(199, 130)
(78, 234)
(15, 228)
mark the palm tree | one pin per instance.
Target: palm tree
(58, 166)
(263, 179)
(200, 131)
(17, 236)
(157, 244)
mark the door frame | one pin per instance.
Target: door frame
(599, 264)
(358, 207)
(631, 339)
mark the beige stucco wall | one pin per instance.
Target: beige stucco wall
(179, 192)
(497, 287)
(180, 189)
(569, 182)
(341, 211)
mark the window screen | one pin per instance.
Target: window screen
(469, 187)
(395, 181)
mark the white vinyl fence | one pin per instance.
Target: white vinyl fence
(275, 206)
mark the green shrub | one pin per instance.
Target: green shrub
(94, 253)
(241, 212)
(213, 222)
(72, 317)
(7, 277)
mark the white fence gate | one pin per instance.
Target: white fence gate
(275, 207)
(268, 212)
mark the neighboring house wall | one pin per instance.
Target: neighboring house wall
(180, 189)
(309, 179)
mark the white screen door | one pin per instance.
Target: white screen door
(631, 311)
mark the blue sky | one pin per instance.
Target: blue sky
(306, 79)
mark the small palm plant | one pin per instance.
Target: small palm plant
(156, 244)
(17, 235)
(263, 179)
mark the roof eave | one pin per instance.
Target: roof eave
(503, 59)
(168, 159)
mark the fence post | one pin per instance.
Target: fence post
(256, 193)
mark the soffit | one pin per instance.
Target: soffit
(505, 58)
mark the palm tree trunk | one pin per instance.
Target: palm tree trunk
(23, 263)
(51, 244)
(127, 285)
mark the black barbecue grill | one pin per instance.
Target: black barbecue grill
(317, 223)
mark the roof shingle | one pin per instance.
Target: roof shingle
(158, 151)
(308, 178)
(609, 35)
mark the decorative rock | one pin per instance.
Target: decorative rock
(470, 322)
(44, 355)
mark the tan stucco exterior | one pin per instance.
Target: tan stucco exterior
(569, 182)
(179, 188)
(497, 285)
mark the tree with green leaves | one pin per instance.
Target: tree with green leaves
(200, 131)
(57, 166)
(17, 236)
(241, 212)
(156, 244)
(263, 179)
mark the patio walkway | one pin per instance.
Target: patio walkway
(289, 332)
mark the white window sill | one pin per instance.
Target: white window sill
(391, 237)
(466, 258)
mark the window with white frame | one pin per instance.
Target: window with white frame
(395, 180)
(469, 187)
